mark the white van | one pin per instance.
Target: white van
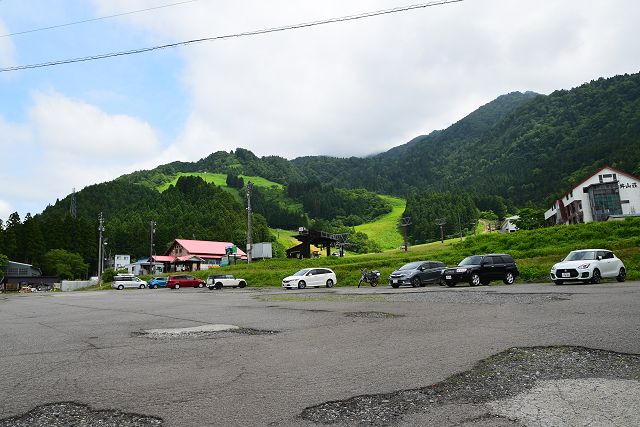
(122, 281)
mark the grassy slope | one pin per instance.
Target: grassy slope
(220, 179)
(384, 230)
(535, 252)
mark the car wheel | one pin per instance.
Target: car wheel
(451, 284)
(200, 285)
(441, 282)
(474, 280)
(415, 282)
(622, 275)
(142, 286)
(176, 286)
(395, 285)
(218, 286)
(120, 287)
(242, 284)
(301, 284)
(595, 279)
(329, 283)
(558, 282)
(509, 278)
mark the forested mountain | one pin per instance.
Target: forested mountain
(523, 147)
(191, 209)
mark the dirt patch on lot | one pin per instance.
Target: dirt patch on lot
(497, 378)
(199, 332)
(372, 315)
(66, 414)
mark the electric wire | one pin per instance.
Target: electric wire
(231, 36)
(95, 19)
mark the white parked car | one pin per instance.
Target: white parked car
(218, 281)
(588, 266)
(127, 281)
(312, 277)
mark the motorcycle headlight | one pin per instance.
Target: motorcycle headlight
(583, 266)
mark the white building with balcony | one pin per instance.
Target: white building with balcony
(608, 192)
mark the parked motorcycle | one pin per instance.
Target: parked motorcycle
(370, 277)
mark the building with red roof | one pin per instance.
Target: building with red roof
(193, 255)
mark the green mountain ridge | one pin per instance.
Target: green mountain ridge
(523, 147)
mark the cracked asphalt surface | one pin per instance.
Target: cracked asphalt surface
(85, 349)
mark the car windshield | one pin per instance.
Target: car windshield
(302, 272)
(411, 266)
(581, 255)
(471, 260)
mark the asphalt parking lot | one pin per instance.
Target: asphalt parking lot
(529, 354)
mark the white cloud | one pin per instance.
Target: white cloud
(73, 144)
(7, 49)
(79, 131)
(5, 210)
(350, 88)
(364, 86)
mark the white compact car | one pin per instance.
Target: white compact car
(588, 266)
(128, 281)
(312, 277)
(219, 281)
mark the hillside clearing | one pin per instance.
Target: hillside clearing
(384, 230)
(220, 180)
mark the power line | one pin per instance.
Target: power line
(230, 36)
(95, 19)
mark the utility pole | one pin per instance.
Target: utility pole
(249, 242)
(153, 230)
(73, 209)
(100, 246)
(441, 222)
(406, 222)
(460, 226)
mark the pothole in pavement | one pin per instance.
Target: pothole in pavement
(477, 297)
(202, 331)
(66, 414)
(372, 315)
(500, 385)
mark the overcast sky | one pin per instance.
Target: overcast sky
(342, 89)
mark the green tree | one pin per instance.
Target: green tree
(11, 232)
(3, 263)
(530, 219)
(63, 264)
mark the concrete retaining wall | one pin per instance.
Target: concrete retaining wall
(74, 285)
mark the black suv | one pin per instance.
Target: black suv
(482, 269)
(417, 273)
